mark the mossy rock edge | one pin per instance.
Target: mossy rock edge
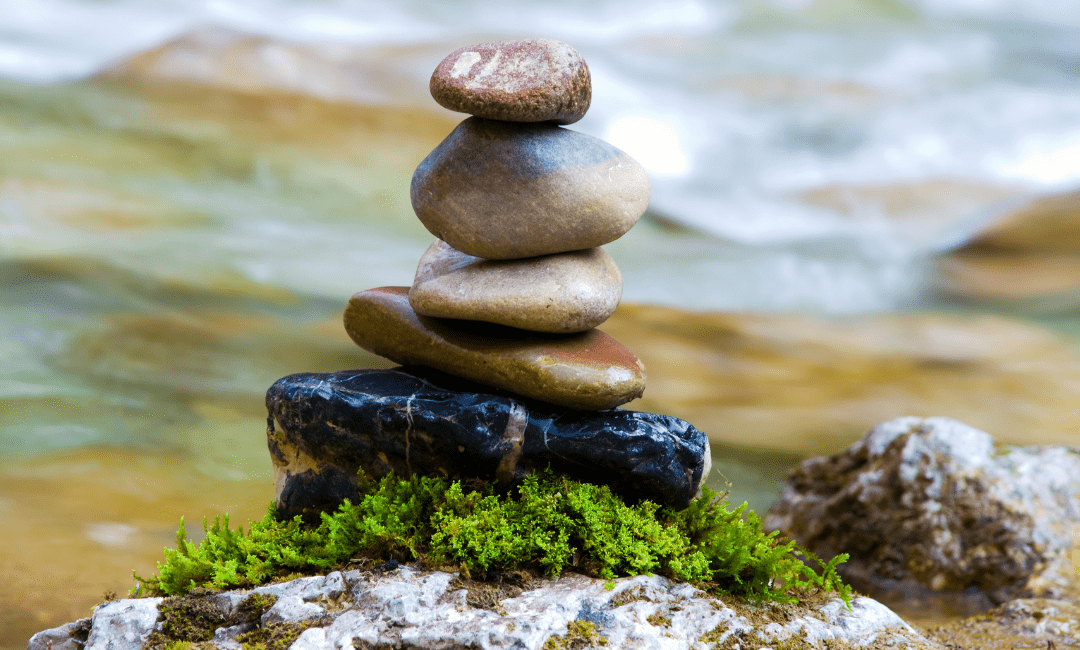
(549, 524)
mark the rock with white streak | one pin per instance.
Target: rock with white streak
(324, 427)
(533, 80)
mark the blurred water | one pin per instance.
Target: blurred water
(737, 107)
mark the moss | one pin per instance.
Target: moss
(252, 608)
(495, 588)
(659, 620)
(579, 634)
(630, 595)
(80, 632)
(188, 622)
(549, 525)
(276, 636)
(190, 619)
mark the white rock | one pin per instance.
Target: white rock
(310, 639)
(226, 637)
(123, 624)
(415, 609)
(293, 609)
(57, 638)
(312, 588)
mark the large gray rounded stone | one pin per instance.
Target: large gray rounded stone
(561, 293)
(502, 190)
(534, 80)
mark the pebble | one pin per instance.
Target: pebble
(587, 371)
(501, 190)
(534, 80)
(561, 293)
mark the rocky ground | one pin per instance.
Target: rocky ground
(930, 509)
(405, 608)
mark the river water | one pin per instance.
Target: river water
(181, 230)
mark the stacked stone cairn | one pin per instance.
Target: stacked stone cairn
(503, 370)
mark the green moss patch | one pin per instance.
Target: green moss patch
(276, 636)
(627, 596)
(549, 525)
(579, 635)
(489, 590)
(188, 622)
(659, 620)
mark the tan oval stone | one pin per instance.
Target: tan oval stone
(1048, 223)
(503, 190)
(533, 80)
(561, 293)
(587, 371)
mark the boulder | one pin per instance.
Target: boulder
(931, 507)
(406, 608)
(323, 428)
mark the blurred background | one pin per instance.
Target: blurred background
(861, 209)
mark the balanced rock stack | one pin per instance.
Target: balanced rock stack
(504, 371)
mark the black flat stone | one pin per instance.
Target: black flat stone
(324, 427)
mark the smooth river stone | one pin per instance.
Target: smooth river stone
(561, 293)
(535, 80)
(588, 371)
(502, 190)
(323, 427)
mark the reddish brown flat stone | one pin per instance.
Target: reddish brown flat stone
(589, 370)
(535, 80)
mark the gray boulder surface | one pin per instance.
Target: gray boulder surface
(116, 625)
(932, 506)
(406, 608)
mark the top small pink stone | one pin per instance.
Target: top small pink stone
(536, 80)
